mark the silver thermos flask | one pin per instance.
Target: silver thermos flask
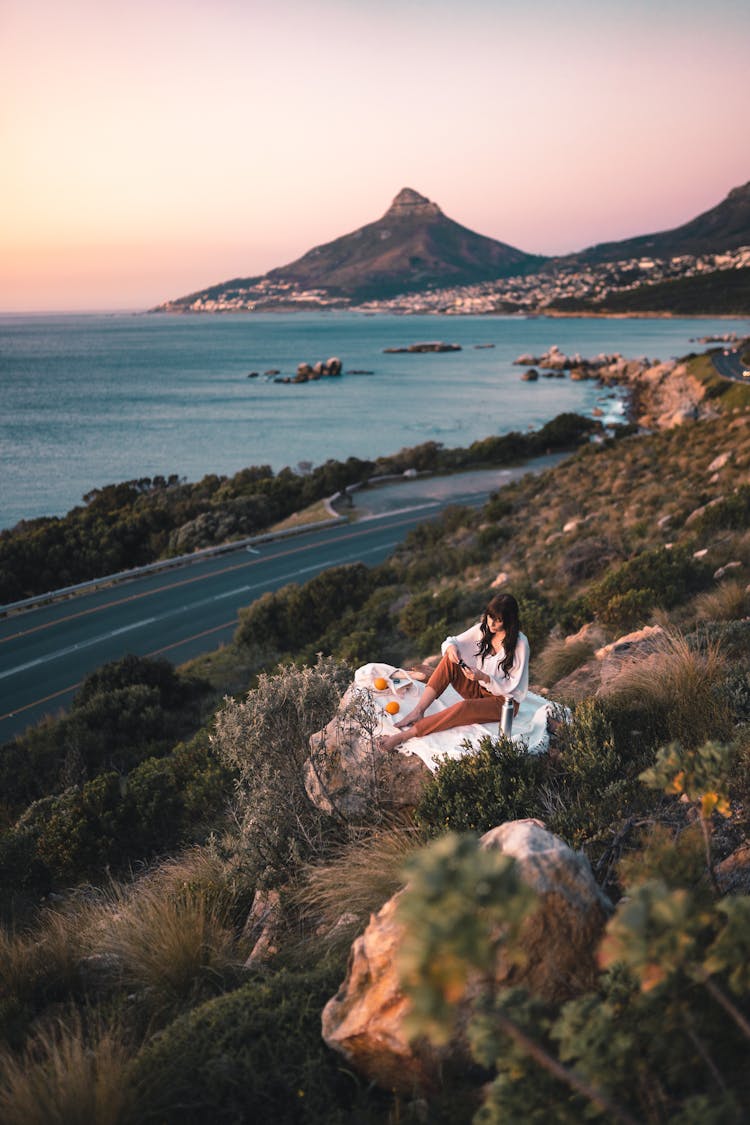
(506, 717)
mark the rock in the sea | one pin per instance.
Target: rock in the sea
(530, 376)
(433, 346)
(365, 1020)
(307, 372)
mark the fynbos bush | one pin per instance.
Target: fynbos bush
(266, 740)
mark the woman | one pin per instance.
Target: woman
(486, 664)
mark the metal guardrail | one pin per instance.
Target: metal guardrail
(175, 561)
(204, 552)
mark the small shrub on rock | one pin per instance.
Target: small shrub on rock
(594, 782)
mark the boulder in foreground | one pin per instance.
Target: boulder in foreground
(365, 1020)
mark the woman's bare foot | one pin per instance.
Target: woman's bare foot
(391, 741)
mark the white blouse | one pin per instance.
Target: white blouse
(516, 684)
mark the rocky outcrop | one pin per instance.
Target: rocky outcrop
(597, 675)
(347, 773)
(309, 373)
(555, 360)
(667, 396)
(663, 395)
(365, 1020)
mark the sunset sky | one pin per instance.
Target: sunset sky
(155, 147)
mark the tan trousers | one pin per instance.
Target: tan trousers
(477, 706)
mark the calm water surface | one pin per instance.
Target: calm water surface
(90, 400)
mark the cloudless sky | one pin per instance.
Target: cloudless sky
(154, 147)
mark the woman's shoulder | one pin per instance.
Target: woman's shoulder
(523, 640)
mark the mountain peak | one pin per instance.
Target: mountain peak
(410, 202)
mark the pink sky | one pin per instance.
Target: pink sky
(154, 148)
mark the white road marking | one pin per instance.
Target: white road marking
(189, 607)
(77, 647)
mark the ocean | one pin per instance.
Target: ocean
(90, 400)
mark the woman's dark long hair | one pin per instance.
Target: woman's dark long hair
(503, 607)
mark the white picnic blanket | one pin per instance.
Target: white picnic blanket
(529, 725)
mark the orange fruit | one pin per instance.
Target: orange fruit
(392, 708)
(380, 683)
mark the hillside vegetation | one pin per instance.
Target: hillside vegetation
(132, 989)
(140, 521)
(721, 293)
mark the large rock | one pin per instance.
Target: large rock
(347, 774)
(597, 675)
(365, 1020)
(629, 649)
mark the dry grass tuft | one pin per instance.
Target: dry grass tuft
(338, 896)
(223, 880)
(66, 1077)
(559, 659)
(173, 948)
(680, 687)
(46, 960)
(171, 935)
(728, 602)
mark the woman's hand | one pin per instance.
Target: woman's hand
(475, 674)
(452, 653)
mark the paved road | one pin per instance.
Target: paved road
(45, 652)
(729, 364)
(183, 612)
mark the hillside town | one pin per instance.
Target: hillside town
(531, 294)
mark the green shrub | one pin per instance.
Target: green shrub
(731, 511)
(594, 784)
(266, 739)
(663, 1038)
(656, 577)
(253, 1055)
(496, 781)
(295, 616)
(424, 610)
(111, 821)
(625, 612)
(123, 713)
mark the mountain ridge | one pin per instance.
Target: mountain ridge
(414, 247)
(725, 226)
